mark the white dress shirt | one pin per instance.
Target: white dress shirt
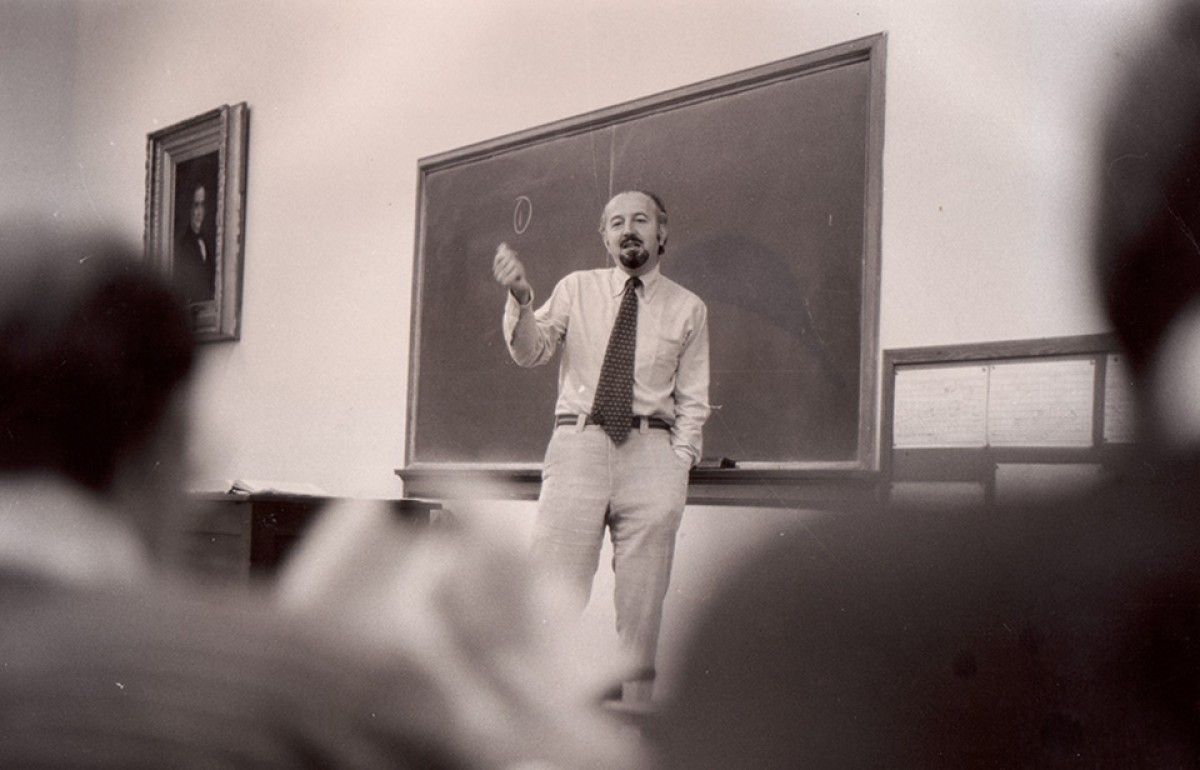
(670, 377)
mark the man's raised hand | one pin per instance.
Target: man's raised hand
(510, 273)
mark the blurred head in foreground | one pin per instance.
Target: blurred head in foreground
(1147, 223)
(1036, 636)
(95, 355)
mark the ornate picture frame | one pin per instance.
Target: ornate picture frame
(196, 215)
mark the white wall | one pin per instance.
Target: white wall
(37, 75)
(985, 174)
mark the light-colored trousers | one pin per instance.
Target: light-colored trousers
(638, 490)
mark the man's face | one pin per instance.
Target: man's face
(198, 209)
(631, 232)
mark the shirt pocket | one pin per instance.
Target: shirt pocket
(666, 344)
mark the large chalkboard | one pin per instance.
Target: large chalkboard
(772, 180)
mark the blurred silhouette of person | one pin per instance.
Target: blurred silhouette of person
(106, 659)
(195, 254)
(95, 361)
(1030, 636)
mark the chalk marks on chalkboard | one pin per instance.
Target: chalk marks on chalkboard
(522, 214)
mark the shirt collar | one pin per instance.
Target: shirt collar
(54, 529)
(618, 277)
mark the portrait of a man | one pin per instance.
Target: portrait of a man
(194, 258)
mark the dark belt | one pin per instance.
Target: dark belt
(635, 423)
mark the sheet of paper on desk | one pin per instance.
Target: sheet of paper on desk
(264, 487)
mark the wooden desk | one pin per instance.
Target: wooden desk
(750, 487)
(239, 536)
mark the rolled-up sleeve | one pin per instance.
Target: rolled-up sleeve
(691, 388)
(533, 336)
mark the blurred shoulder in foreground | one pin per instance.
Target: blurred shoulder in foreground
(1064, 637)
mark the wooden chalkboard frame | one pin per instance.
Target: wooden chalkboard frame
(764, 481)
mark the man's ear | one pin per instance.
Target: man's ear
(662, 238)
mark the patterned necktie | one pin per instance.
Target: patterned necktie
(613, 407)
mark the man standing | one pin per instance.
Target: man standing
(195, 254)
(632, 400)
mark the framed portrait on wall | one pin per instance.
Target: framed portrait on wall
(195, 215)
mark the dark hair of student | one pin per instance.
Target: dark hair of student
(1147, 219)
(93, 345)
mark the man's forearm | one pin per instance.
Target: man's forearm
(526, 344)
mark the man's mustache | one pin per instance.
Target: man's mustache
(631, 240)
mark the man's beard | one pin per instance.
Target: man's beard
(633, 253)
